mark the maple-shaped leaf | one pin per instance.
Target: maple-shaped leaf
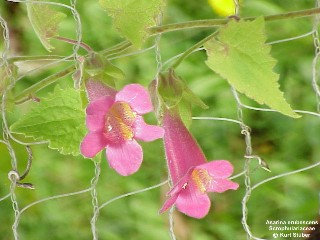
(241, 56)
(44, 21)
(59, 119)
(133, 17)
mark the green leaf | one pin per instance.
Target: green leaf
(97, 63)
(113, 71)
(241, 56)
(99, 75)
(191, 98)
(185, 113)
(59, 119)
(170, 89)
(44, 21)
(172, 92)
(133, 17)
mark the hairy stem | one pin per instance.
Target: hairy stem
(29, 92)
(109, 51)
(74, 42)
(191, 49)
(37, 58)
(117, 48)
(218, 22)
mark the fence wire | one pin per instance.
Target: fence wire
(92, 190)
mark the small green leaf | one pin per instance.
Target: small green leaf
(133, 17)
(172, 92)
(44, 21)
(59, 119)
(97, 65)
(185, 113)
(191, 98)
(241, 56)
(170, 89)
(99, 69)
(113, 71)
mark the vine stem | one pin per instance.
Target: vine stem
(74, 42)
(37, 58)
(218, 22)
(120, 47)
(185, 25)
(29, 92)
(109, 51)
(191, 49)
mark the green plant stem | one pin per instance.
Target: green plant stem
(289, 15)
(218, 22)
(74, 42)
(191, 49)
(175, 27)
(29, 92)
(117, 48)
(36, 58)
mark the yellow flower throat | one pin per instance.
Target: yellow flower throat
(202, 179)
(119, 122)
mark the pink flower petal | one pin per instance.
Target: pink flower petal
(93, 143)
(137, 97)
(95, 122)
(168, 204)
(125, 158)
(100, 106)
(193, 203)
(145, 132)
(218, 168)
(181, 184)
(96, 89)
(222, 185)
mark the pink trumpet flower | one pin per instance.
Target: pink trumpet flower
(192, 176)
(115, 123)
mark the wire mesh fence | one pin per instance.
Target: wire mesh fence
(84, 209)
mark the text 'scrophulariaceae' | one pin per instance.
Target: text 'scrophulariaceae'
(115, 123)
(192, 176)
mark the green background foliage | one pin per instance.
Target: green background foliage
(286, 144)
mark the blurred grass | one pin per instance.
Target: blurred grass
(285, 144)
